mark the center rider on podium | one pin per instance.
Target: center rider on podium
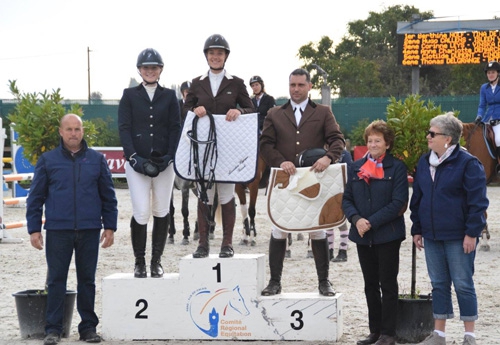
(217, 92)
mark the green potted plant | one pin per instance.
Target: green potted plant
(410, 121)
(36, 118)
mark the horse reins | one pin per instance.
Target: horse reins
(205, 167)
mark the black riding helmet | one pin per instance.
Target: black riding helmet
(308, 157)
(216, 41)
(149, 57)
(492, 65)
(185, 86)
(257, 79)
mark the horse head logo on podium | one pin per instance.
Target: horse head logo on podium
(221, 309)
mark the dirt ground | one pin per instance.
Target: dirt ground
(23, 267)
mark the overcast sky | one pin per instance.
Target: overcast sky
(44, 43)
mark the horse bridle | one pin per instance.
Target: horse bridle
(209, 157)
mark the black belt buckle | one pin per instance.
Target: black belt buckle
(494, 122)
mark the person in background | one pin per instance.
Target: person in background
(288, 130)
(149, 127)
(261, 100)
(449, 178)
(184, 91)
(343, 229)
(374, 201)
(181, 184)
(489, 102)
(73, 185)
(217, 92)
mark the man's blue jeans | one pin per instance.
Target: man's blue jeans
(446, 264)
(59, 247)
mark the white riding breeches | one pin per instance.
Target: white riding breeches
(496, 130)
(224, 190)
(281, 235)
(150, 194)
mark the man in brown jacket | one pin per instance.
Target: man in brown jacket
(288, 130)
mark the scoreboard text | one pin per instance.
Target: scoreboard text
(448, 48)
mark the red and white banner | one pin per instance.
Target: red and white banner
(114, 157)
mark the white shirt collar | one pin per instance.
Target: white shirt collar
(302, 104)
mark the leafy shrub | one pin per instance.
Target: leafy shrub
(356, 135)
(410, 122)
(36, 119)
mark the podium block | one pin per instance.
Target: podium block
(215, 298)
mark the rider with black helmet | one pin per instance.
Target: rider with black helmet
(218, 92)
(261, 100)
(489, 101)
(149, 126)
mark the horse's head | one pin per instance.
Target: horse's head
(237, 302)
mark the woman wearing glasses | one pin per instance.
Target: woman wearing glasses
(374, 201)
(448, 208)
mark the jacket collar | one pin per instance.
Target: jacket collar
(453, 155)
(67, 152)
(227, 75)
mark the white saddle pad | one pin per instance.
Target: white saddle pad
(237, 148)
(307, 201)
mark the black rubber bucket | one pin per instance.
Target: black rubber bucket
(415, 319)
(31, 306)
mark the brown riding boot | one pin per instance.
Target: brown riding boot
(228, 220)
(203, 228)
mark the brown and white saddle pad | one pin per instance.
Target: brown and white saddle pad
(307, 201)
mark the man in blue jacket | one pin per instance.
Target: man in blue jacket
(74, 184)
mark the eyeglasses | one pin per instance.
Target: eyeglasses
(433, 134)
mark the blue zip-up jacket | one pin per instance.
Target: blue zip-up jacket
(77, 192)
(383, 202)
(452, 205)
(489, 103)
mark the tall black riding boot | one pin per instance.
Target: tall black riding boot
(160, 232)
(228, 220)
(203, 229)
(322, 261)
(138, 234)
(277, 250)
